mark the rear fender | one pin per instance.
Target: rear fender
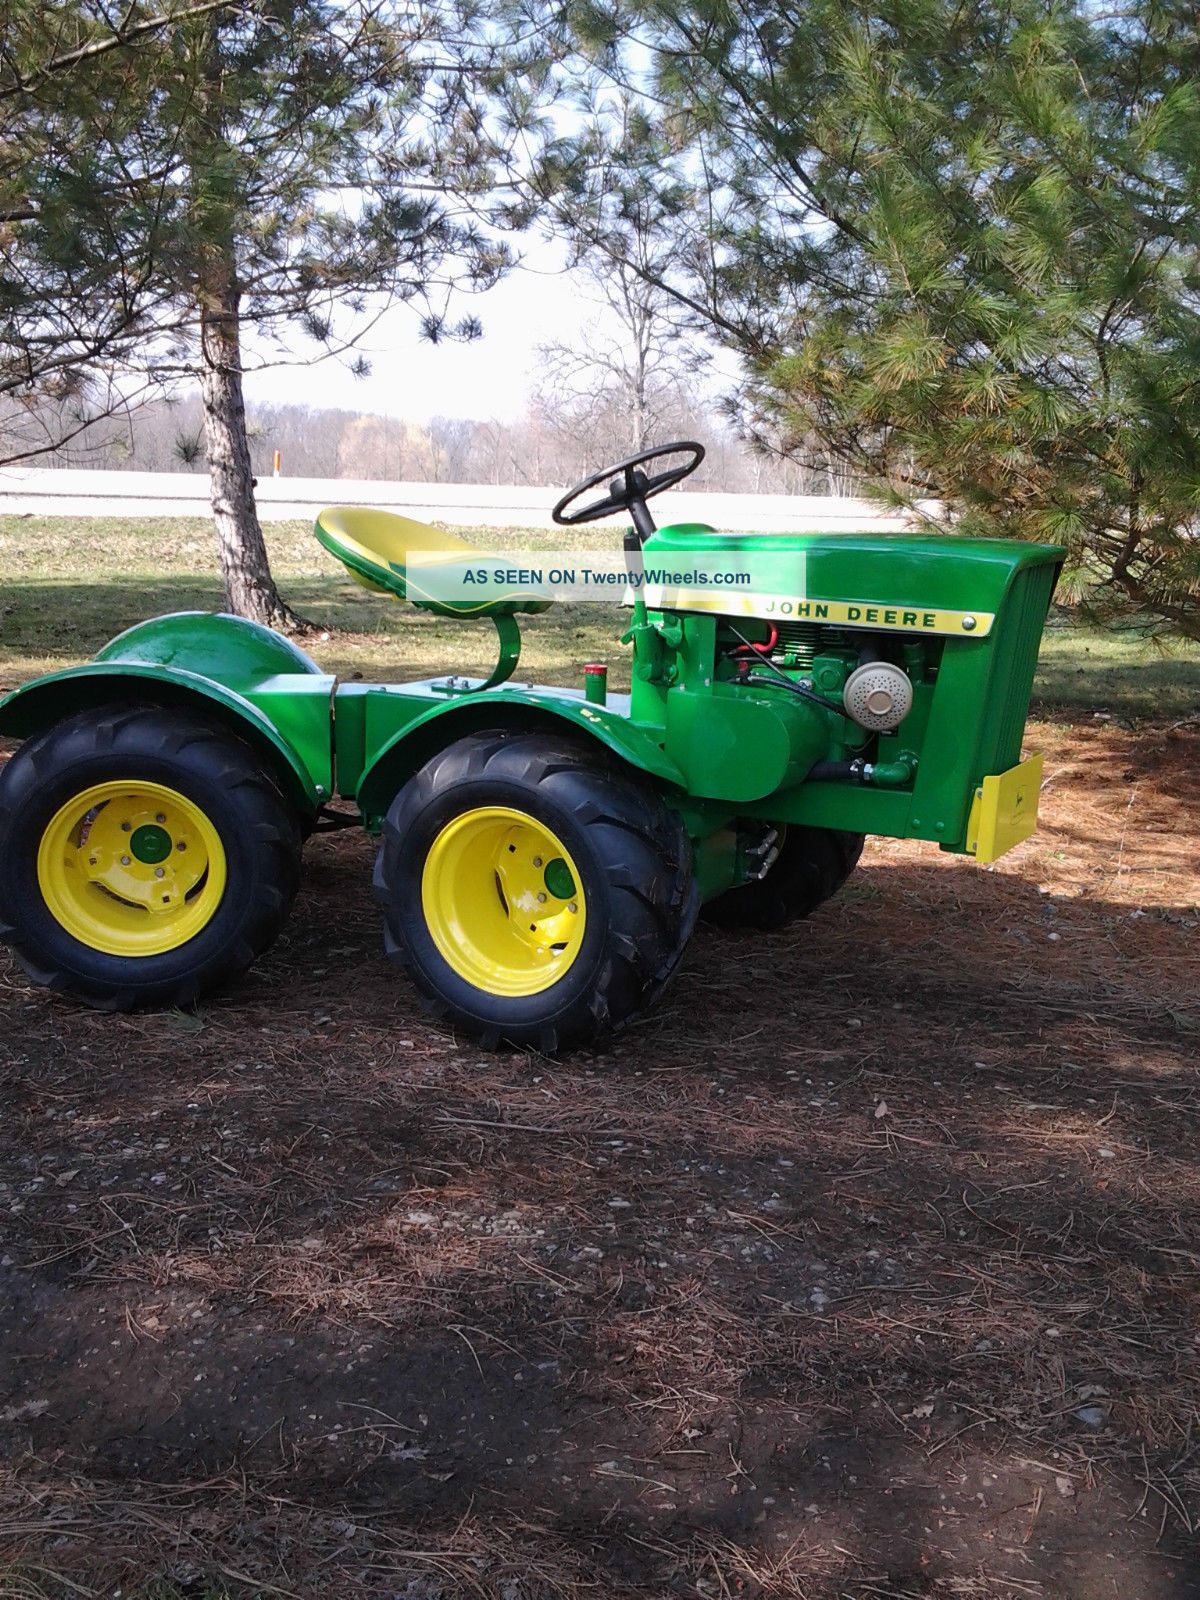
(170, 661)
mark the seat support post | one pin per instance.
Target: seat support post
(509, 639)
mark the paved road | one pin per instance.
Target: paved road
(78, 492)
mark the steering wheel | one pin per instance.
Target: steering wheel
(629, 487)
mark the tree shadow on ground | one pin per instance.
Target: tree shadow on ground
(865, 1267)
(71, 617)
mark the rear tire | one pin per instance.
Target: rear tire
(145, 857)
(811, 867)
(535, 891)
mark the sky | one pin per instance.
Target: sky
(490, 377)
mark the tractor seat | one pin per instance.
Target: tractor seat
(373, 545)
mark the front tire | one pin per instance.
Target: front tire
(145, 858)
(535, 891)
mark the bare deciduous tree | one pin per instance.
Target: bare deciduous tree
(624, 375)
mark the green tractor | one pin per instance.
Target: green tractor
(544, 851)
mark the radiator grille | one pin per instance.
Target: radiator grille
(1017, 644)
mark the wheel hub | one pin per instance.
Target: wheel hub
(131, 868)
(151, 843)
(502, 901)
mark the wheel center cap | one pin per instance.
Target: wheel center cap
(150, 843)
(558, 879)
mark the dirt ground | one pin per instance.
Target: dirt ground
(867, 1267)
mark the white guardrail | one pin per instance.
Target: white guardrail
(83, 492)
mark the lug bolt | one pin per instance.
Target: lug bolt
(537, 861)
(124, 861)
(572, 906)
(181, 845)
(160, 872)
(125, 827)
(541, 899)
(160, 816)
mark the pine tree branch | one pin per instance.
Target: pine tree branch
(120, 37)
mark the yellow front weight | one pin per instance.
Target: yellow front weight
(131, 868)
(1005, 810)
(503, 901)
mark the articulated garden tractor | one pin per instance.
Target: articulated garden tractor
(544, 851)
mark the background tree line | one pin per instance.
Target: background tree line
(550, 444)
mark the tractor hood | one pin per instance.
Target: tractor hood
(936, 584)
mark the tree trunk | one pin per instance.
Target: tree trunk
(249, 587)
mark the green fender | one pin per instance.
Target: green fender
(258, 683)
(548, 710)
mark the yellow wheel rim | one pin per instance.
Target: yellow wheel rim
(132, 869)
(503, 901)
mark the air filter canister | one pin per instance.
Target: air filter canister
(878, 696)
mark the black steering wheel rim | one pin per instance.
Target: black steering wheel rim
(636, 489)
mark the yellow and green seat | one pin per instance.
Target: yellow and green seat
(377, 547)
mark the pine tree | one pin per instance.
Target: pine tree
(77, 236)
(957, 246)
(285, 168)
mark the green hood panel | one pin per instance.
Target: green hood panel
(875, 580)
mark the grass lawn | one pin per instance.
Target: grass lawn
(68, 584)
(1082, 670)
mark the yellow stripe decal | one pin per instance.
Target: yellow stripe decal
(840, 613)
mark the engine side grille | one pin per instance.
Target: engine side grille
(800, 639)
